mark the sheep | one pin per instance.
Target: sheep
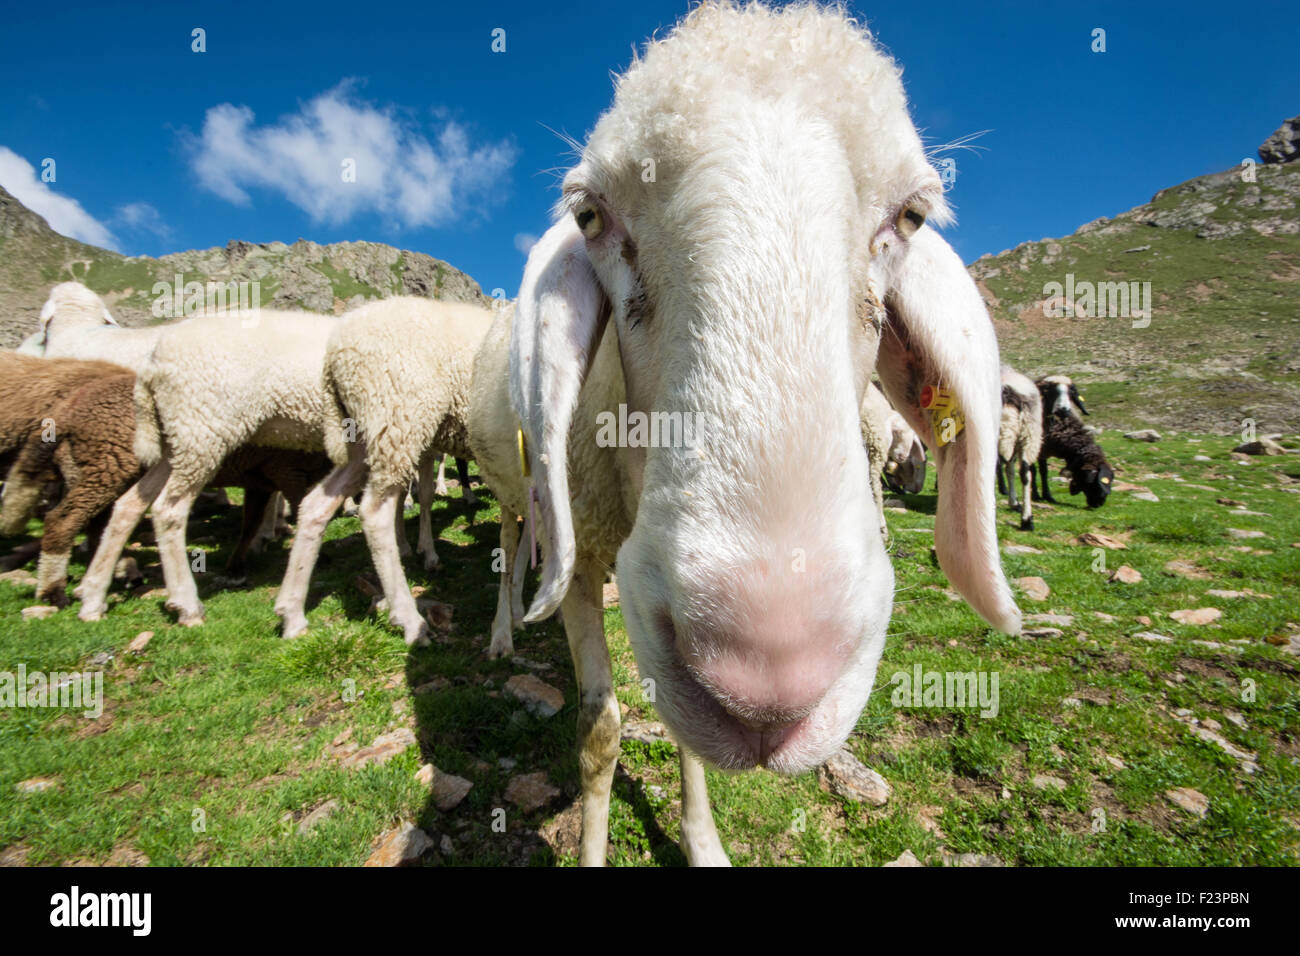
(214, 383)
(397, 376)
(1065, 437)
(93, 452)
(905, 463)
(75, 323)
(780, 253)
(29, 388)
(1060, 396)
(1020, 436)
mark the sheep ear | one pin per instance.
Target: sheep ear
(939, 334)
(558, 323)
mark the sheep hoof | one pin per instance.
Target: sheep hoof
(432, 562)
(91, 613)
(1027, 524)
(418, 636)
(500, 647)
(292, 627)
(55, 596)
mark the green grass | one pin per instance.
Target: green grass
(231, 721)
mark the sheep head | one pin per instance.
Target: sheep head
(71, 304)
(747, 219)
(1061, 396)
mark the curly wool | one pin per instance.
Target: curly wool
(75, 323)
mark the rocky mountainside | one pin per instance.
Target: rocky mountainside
(1219, 258)
(305, 275)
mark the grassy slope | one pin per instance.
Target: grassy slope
(1224, 340)
(231, 720)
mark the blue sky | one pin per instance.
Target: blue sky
(158, 148)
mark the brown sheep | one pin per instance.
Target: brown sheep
(94, 456)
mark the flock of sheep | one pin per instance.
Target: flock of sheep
(781, 257)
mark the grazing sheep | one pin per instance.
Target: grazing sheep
(1020, 436)
(1068, 439)
(905, 465)
(1060, 396)
(214, 384)
(29, 388)
(94, 455)
(75, 323)
(397, 376)
(778, 257)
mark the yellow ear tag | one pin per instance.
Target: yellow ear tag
(946, 418)
(523, 454)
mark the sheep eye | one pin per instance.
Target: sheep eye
(908, 221)
(589, 220)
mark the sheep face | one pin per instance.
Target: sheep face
(1061, 397)
(1094, 483)
(905, 467)
(747, 283)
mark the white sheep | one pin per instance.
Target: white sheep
(1020, 437)
(75, 323)
(397, 376)
(214, 383)
(789, 187)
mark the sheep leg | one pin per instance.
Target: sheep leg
(1046, 494)
(399, 525)
(127, 512)
(377, 509)
(1026, 512)
(598, 716)
(80, 508)
(503, 624)
(520, 573)
(466, 492)
(259, 505)
(440, 489)
(270, 526)
(314, 513)
(425, 546)
(1007, 482)
(170, 513)
(1002, 479)
(700, 840)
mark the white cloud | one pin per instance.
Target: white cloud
(64, 215)
(399, 173)
(524, 242)
(143, 217)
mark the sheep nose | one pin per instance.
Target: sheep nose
(770, 674)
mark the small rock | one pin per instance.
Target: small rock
(1045, 781)
(1201, 458)
(1264, 446)
(609, 594)
(646, 731)
(1197, 616)
(537, 696)
(1056, 620)
(20, 577)
(1243, 534)
(1231, 502)
(1146, 496)
(1115, 762)
(1187, 569)
(1071, 703)
(1126, 575)
(1146, 434)
(530, 791)
(424, 776)
(906, 858)
(1016, 549)
(848, 778)
(1103, 616)
(436, 613)
(317, 816)
(402, 845)
(446, 846)
(1193, 801)
(1034, 588)
(35, 785)
(1209, 736)
(1095, 539)
(1039, 632)
(1234, 718)
(39, 612)
(969, 859)
(383, 749)
(140, 642)
(433, 686)
(1155, 638)
(448, 789)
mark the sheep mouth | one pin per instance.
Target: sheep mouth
(703, 726)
